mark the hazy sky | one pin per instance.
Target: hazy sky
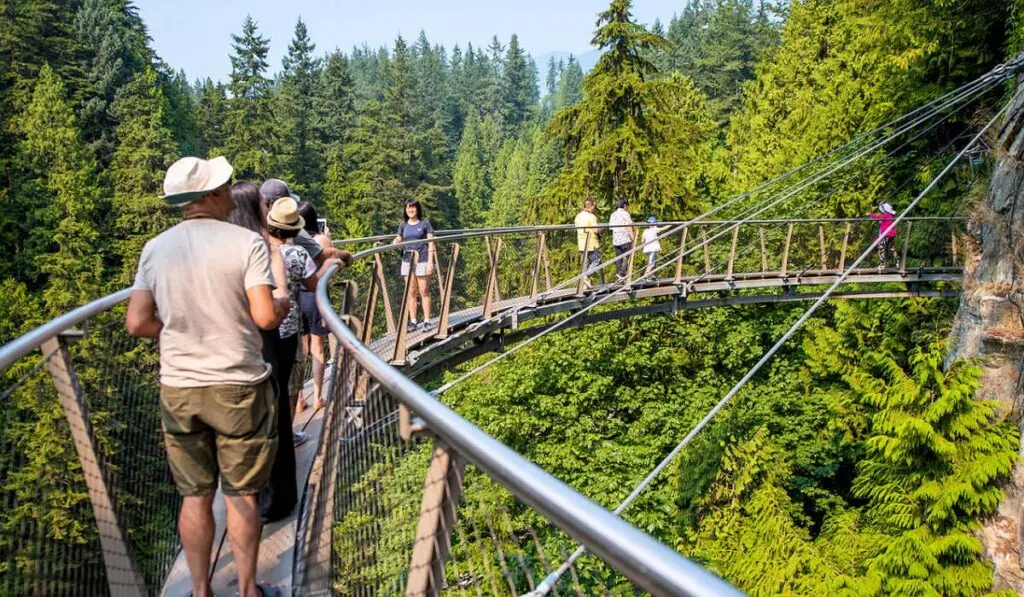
(196, 34)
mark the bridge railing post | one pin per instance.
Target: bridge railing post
(446, 296)
(732, 252)
(821, 243)
(632, 257)
(846, 244)
(441, 493)
(682, 255)
(906, 244)
(764, 249)
(408, 303)
(707, 249)
(953, 241)
(389, 315)
(124, 576)
(785, 249)
(582, 283)
(491, 291)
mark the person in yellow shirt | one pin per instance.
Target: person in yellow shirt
(586, 239)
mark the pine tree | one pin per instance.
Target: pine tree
(249, 137)
(145, 148)
(570, 85)
(301, 164)
(103, 32)
(632, 136)
(511, 180)
(334, 117)
(211, 115)
(61, 176)
(472, 191)
(517, 88)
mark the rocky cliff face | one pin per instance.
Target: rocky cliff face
(990, 325)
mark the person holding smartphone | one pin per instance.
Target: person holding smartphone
(314, 332)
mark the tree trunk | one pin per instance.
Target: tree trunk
(989, 325)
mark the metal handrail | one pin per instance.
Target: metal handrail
(645, 561)
(452, 235)
(21, 346)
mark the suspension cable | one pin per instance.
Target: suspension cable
(552, 578)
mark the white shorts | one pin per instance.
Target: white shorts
(421, 269)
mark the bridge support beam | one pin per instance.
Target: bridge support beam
(446, 295)
(542, 263)
(785, 250)
(906, 244)
(441, 493)
(491, 292)
(682, 255)
(123, 574)
(408, 301)
(382, 280)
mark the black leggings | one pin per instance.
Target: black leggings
(281, 494)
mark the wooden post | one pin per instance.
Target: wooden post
(846, 243)
(732, 252)
(707, 250)
(580, 285)
(491, 292)
(389, 315)
(632, 257)
(446, 298)
(537, 265)
(764, 250)
(124, 576)
(906, 243)
(952, 234)
(408, 300)
(682, 254)
(821, 240)
(372, 295)
(441, 493)
(437, 271)
(785, 250)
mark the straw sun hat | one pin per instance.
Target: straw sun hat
(284, 215)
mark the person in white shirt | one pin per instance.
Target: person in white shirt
(622, 237)
(652, 245)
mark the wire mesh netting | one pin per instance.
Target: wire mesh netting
(389, 515)
(88, 506)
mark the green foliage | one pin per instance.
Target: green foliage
(249, 133)
(301, 165)
(633, 136)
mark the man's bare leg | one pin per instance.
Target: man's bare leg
(196, 528)
(318, 350)
(244, 529)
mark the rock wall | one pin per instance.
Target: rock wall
(990, 324)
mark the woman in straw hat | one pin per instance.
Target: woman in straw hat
(283, 225)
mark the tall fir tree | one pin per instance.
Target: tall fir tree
(517, 87)
(570, 84)
(211, 115)
(145, 148)
(60, 175)
(334, 117)
(631, 136)
(249, 135)
(302, 166)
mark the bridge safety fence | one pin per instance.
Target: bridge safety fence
(88, 505)
(406, 497)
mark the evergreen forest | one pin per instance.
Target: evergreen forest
(857, 463)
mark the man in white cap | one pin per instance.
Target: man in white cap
(204, 289)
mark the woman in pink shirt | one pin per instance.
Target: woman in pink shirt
(887, 235)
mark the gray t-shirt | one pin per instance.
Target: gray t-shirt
(417, 231)
(308, 243)
(198, 272)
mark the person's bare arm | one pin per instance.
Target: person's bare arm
(311, 282)
(141, 319)
(266, 310)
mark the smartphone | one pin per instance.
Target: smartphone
(321, 225)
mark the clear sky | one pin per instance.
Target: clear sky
(196, 34)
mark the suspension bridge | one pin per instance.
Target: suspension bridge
(401, 494)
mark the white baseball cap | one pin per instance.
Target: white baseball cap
(190, 178)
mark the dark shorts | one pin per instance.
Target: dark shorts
(312, 323)
(228, 429)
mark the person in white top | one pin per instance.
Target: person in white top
(651, 244)
(622, 237)
(204, 288)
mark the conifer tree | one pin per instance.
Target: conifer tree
(511, 180)
(249, 137)
(517, 87)
(632, 136)
(211, 115)
(301, 165)
(181, 112)
(334, 117)
(145, 148)
(472, 191)
(61, 177)
(570, 84)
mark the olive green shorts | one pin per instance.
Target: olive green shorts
(231, 429)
